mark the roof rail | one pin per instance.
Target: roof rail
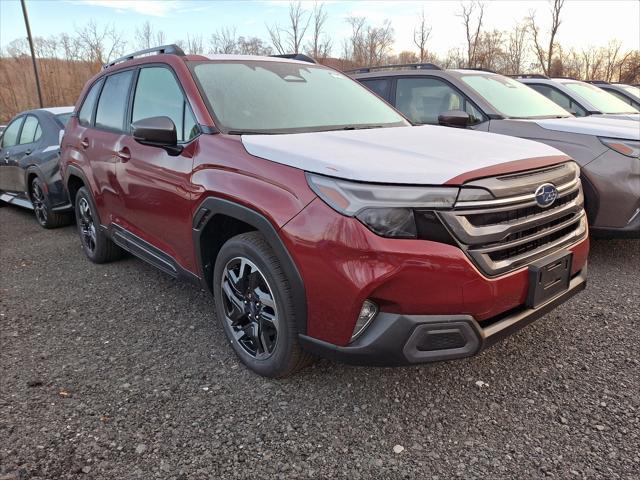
(296, 56)
(528, 75)
(414, 66)
(478, 69)
(598, 82)
(168, 49)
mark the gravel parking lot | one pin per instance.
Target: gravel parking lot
(118, 371)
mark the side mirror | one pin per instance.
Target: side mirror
(157, 132)
(454, 118)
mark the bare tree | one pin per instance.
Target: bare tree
(472, 32)
(368, 45)
(320, 45)
(289, 39)
(146, 37)
(100, 45)
(421, 34)
(516, 48)
(545, 54)
(224, 41)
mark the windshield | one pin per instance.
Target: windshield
(604, 102)
(632, 90)
(64, 117)
(278, 97)
(512, 98)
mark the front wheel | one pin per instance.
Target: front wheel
(45, 216)
(254, 304)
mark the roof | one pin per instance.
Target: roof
(57, 110)
(250, 58)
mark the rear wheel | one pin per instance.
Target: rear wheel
(45, 216)
(255, 306)
(96, 244)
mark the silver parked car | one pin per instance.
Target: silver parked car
(581, 98)
(627, 93)
(608, 151)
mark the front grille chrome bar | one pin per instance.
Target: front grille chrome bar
(506, 233)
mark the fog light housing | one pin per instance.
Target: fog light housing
(368, 312)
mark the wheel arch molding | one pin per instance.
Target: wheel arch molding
(216, 220)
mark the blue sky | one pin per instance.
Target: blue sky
(585, 22)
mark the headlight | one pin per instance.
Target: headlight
(385, 209)
(630, 148)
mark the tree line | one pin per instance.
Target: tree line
(66, 60)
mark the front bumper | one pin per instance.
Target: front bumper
(396, 339)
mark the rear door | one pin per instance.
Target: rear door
(102, 142)
(153, 186)
(28, 149)
(9, 151)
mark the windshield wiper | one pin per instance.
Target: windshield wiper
(248, 132)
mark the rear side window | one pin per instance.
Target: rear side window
(158, 94)
(422, 100)
(86, 111)
(380, 87)
(560, 98)
(10, 134)
(112, 104)
(30, 130)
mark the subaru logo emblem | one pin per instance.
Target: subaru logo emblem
(546, 194)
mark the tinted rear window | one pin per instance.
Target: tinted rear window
(84, 117)
(113, 101)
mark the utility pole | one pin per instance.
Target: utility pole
(33, 54)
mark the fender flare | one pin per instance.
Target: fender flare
(213, 206)
(32, 170)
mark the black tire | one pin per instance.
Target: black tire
(272, 286)
(45, 216)
(96, 244)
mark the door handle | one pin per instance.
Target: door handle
(28, 152)
(124, 154)
(84, 143)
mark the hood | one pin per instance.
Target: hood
(620, 116)
(403, 155)
(593, 125)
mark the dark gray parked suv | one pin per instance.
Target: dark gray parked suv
(607, 150)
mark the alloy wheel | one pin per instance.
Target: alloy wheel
(87, 225)
(39, 207)
(250, 308)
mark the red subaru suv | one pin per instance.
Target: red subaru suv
(320, 219)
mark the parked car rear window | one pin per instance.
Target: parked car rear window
(560, 98)
(603, 101)
(29, 130)
(113, 101)
(158, 94)
(84, 116)
(10, 134)
(63, 118)
(379, 86)
(283, 97)
(512, 98)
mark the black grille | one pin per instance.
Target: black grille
(444, 340)
(494, 218)
(538, 228)
(532, 245)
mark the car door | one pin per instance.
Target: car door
(154, 187)
(102, 141)
(423, 99)
(10, 152)
(28, 148)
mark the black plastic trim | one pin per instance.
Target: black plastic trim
(213, 206)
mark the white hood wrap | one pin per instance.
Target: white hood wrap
(425, 155)
(593, 125)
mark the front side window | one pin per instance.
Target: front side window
(512, 98)
(560, 98)
(287, 97)
(86, 111)
(158, 94)
(422, 100)
(10, 134)
(379, 86)
(29, 130)
(604, 102)
(112, 104)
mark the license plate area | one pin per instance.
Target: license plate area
(549, 277)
